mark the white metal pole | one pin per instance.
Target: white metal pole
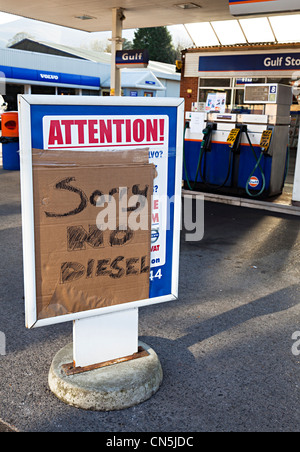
(296, 189)
(116, 44)
(104, 338)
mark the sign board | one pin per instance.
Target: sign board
(22, 74)
(248, 64)
(79, 154)
(249, 7)
(132, 58)
(216, 102)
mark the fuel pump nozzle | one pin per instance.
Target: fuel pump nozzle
(235, 137)
(207, 136)
(265, 141)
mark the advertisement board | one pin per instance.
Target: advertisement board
(78, 154)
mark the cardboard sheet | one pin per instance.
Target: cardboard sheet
(80, 267)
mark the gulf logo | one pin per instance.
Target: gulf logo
(254, 182)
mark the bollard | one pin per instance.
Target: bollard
(10, 141)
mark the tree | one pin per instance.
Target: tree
(127, 45)
(158, 41)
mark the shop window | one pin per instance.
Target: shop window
(90, 92)
(203, 94)
(240, 107)
(11, 95)
(242, 81)
(281, 81)
(37, 89)
(215, 82)
(239, 96)
(66, 92)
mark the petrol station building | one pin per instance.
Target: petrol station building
(222, 70)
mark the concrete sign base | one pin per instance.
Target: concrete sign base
(116, 387)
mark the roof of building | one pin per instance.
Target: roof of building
(162, 70)
(137, 79)
(239, 47)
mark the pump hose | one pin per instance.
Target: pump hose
(215, 187)
(258, 160)
(184, 163)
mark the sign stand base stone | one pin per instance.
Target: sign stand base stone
(116, 387)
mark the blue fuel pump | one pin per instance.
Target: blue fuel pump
(241, 154)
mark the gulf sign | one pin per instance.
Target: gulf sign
(259, 63)
(132, 58)
(91, 132)
(248, 7)
(254, 182)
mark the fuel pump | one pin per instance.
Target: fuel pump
(262, 170)
(241, 154)
(205, 146)
(214, 154)
(233, 141)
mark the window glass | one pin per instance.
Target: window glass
(202, 34)
(11, 96)
(90, 92)
(281, 81)
(37, 89)
(242, 81)
(215, 82)
(286, 28)
(257, 30)
(228, 38)
(203, 94)
(66, 91)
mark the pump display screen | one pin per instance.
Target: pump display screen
(257, 93)
(268, 93)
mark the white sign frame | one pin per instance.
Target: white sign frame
(25, 103)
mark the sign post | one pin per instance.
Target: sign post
(79, 154)
(105, 338)
(116, 45)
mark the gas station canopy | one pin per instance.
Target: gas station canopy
(96, 15)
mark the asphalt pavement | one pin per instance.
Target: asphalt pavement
(226, 347)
